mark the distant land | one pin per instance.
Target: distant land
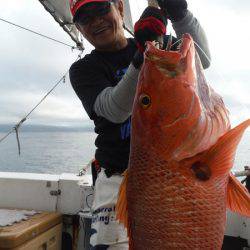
(4, 128)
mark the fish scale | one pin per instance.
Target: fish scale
(161, 197)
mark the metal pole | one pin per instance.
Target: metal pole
(242, 173)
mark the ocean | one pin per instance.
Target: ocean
(47, 152)
(68, 152)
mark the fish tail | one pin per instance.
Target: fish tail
(238, 197)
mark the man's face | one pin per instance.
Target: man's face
(105, 32)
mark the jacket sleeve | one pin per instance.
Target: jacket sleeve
(189, 24)
(115, 103)
(88, 81)
(97, 94)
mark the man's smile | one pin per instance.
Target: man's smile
(101, 29)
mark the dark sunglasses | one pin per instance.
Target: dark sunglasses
(91, 10)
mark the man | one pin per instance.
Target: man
(105, 81)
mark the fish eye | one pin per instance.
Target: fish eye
(145, 101)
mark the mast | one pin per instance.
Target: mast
(60, 11)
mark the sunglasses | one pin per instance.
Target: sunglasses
(91, 10)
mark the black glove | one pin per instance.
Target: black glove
(138, 59)
(175, 10)
(151, 25)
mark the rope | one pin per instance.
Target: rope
(17, 134)
(39, 34)
(18, 125)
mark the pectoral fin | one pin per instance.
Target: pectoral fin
(220, 157)
(238, 197)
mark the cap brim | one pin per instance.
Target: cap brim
(82, 3)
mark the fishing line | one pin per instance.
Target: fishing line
(39, 34)
(203, 52)
(199, 47)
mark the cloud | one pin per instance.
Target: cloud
(57, 109)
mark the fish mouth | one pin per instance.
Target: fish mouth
(170, 62)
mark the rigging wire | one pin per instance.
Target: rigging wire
(62, 79)
(18, 125)
(3, 138)
(39, 34)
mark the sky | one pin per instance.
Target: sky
(31, 65)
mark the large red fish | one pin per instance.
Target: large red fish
(178, 185)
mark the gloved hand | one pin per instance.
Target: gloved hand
(151, 25)
(138, 59)
(175, 10)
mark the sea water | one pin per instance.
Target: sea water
(47, 152)
(68, 152)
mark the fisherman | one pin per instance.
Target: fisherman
(105, 82)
